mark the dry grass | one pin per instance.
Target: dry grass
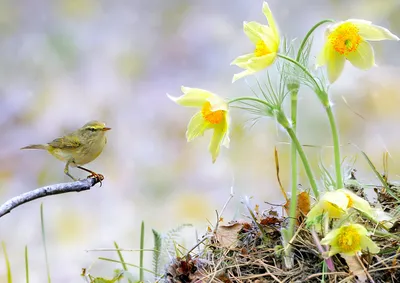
(252, 251)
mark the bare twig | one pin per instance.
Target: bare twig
(55, 189)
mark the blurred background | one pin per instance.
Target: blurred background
(64, 62)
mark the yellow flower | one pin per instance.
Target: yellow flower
(348, 240)
(349, 40)
(336, 203)
(266, 40)
(213, 114)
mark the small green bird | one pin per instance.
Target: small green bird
(79, 147)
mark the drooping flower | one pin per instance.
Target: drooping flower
(349, 240)
(348, 40)
(332, 203)
(213, 115)
(266, 40)
(336, 203)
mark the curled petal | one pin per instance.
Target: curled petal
(271, 21)
(192, 97)
(242, 74)
(372, 32)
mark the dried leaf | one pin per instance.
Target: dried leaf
(227, 235)
(356, 268)
(303, 204)
(287, 204)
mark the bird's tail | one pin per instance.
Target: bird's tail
(36, 146)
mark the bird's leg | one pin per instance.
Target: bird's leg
(92, 174)
(66, 170)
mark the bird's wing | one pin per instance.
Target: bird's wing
(66, 142)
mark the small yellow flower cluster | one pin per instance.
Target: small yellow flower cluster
(350, 238)
(346, 40)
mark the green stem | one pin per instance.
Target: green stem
(304, 159)
(304, 69)
(294, 164)
(281, 118)
(303, 43)
(141, 254)
(336, 147)
(323, 97)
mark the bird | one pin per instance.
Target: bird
(78, 148)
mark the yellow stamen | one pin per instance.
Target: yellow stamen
(345, 38)
(349, 240)
(214, 117)
(261, 49)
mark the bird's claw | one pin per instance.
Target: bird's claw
(98, 177)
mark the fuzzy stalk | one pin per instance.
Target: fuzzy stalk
(323, 97)
(282, 120)
(336, 147)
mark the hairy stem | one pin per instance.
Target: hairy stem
(336, 147)
(282, 119)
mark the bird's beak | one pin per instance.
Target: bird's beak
(106, 129)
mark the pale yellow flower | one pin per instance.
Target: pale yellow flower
(348, 40)
(213, 115)
(266, 40)
(349, 240)
(336, 203)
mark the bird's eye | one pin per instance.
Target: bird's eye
(92, 129)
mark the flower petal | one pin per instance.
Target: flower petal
(254, 30)
(196, 127)
(330, 237)
(372, 32)
(315, 211)
(335, 64)
(216, 140)
(226, 140)
(363, 58)
(192, 97)
(254, 63)
(368, 244)
(271, 21)
(358, 202)
(323, 56)
(337, 198)
(242, 74)
(243, 60)
(217, 103)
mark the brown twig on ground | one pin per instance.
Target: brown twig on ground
(78, 186)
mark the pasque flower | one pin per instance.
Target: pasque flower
(348, 40)
(266, 40)
(349, 240)
(213, 115)
(336, 203)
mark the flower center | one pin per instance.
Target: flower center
(261, 49)
(214, 117)
(345, 38)
(349, 240)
